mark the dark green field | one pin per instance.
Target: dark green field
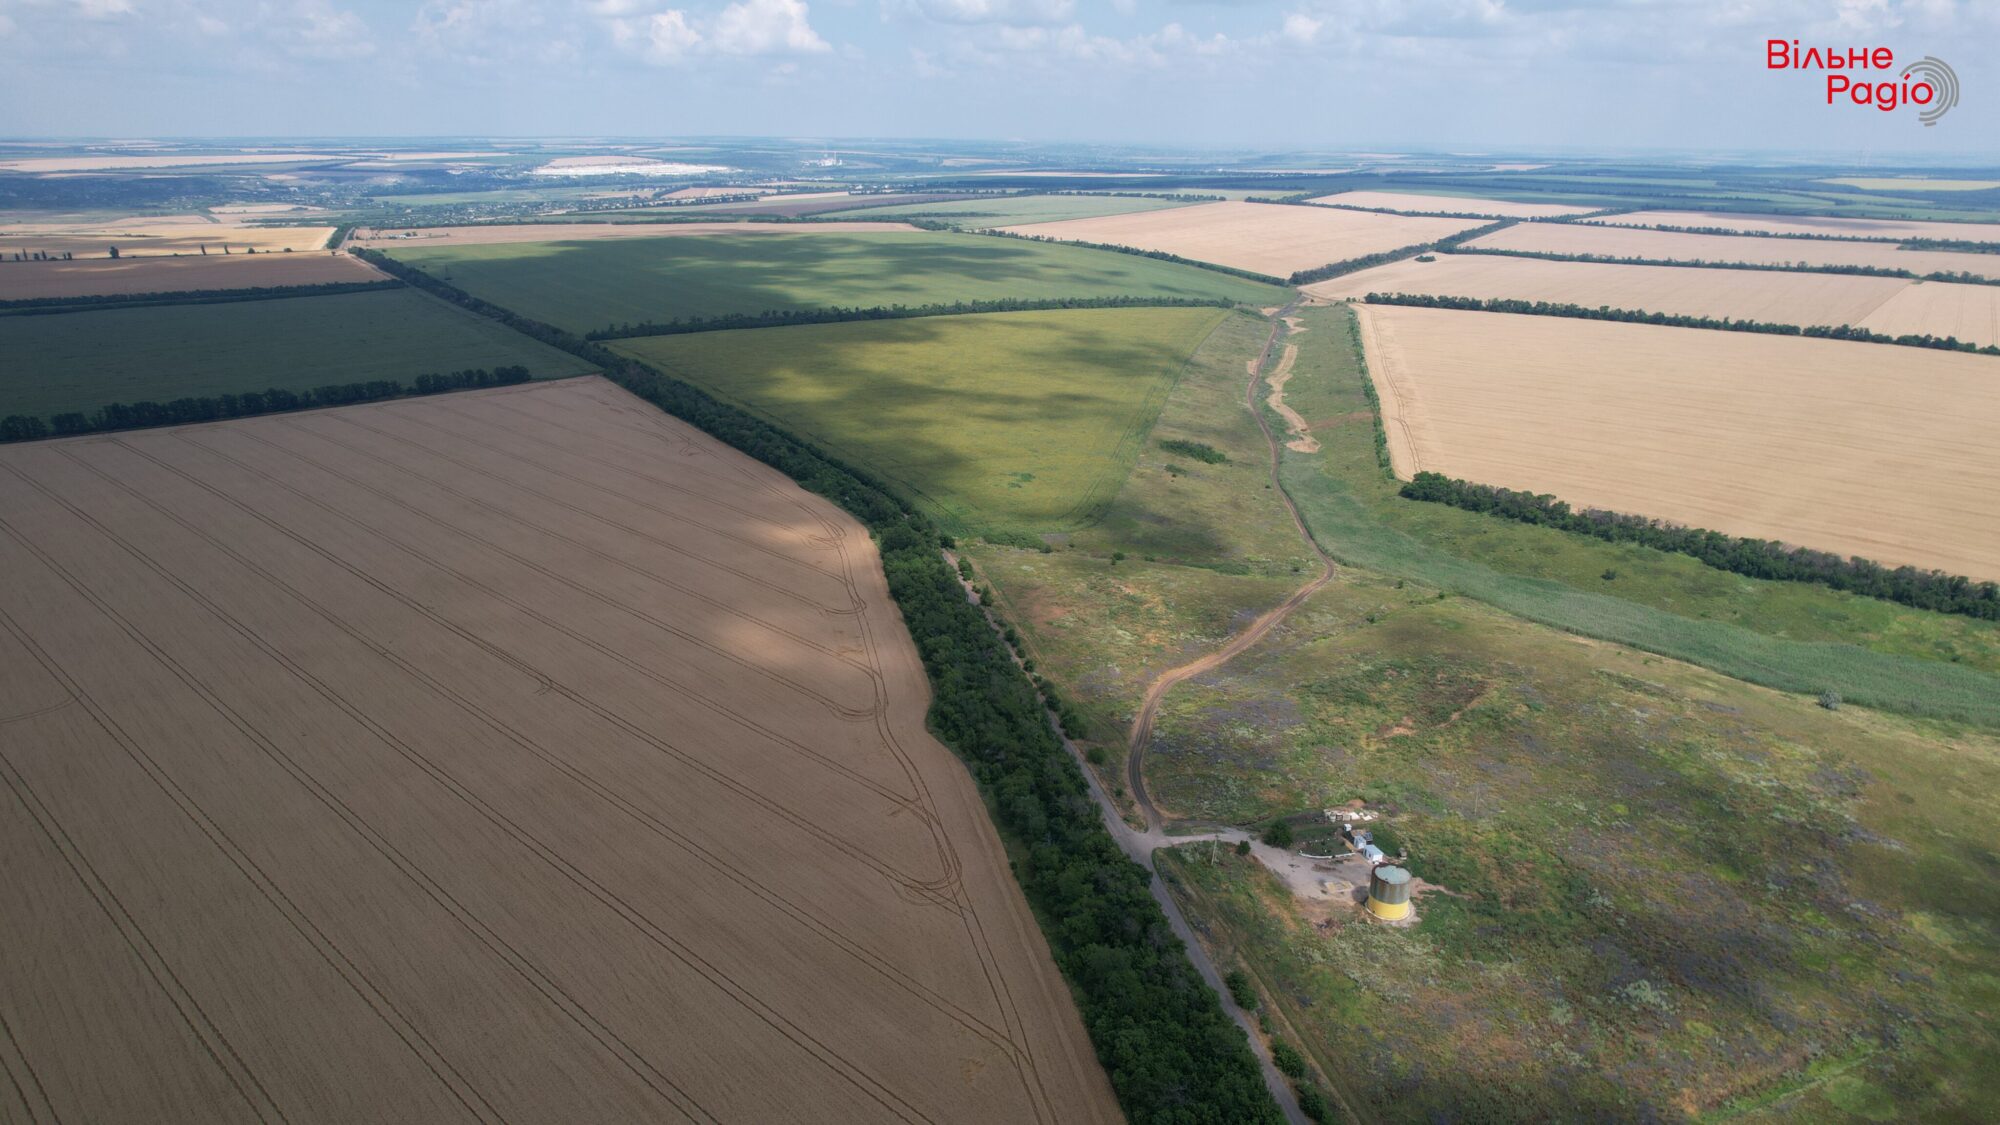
(80, 361)
(582, 286)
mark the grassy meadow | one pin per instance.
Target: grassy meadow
(1024, 423)
(1734, 901)
(587, 285)
(79, 361)
(1788, 635)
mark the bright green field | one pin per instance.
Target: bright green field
(587, 285)
(1023, 422)
(1009, 210)
(80, 361)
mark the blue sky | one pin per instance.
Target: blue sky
(1276, 74)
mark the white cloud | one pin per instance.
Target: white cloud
(1301, 28)
(103, 9)
(747, 27)
(1018, 13)
(765, 27)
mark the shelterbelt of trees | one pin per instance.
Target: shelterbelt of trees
(1958, 278)
(1758, 558)
(1173, 1056)
(1340, 269)
(787, 317)
(183, 411)
(31, 306)
(1678, 320)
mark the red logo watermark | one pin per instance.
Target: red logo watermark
(1929, 83)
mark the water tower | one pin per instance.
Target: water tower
(1389, 893)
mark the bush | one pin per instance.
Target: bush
(1279, 834)
(1313, 1104)
(1242, 847)
(1830, 699)
(1241, 990)
(1287, 1059)
(1200, 451)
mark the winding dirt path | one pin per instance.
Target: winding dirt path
(1149, 706)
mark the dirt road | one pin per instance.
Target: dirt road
(1149, 706)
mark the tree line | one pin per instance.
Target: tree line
(1969, 246)
(1678, 320)
(1370, 261)
(95, 302)
(1757, 558)
(780, 318)
(1960, 277)
(1957, 245)
(276, 400)
(1172, 1054)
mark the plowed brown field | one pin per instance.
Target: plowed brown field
(514, 756)
(1636, 242)
(103, 276)
(1860, 449)
(1267, 238)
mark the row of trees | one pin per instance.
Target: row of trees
(1172, 1054)
(1758, 558)
(185, 411)
(1959, 277)
(1960, 245)
(1369, 261)
(779, 318)
(1972, 246)
(1677, 320)
(190, 297)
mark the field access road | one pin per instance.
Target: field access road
(1149, 705)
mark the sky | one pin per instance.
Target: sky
(1240, 75)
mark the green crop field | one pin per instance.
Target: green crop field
(1023, 422)
(80, 361)
(1004, 211)
(1789, 635)
(582, 286)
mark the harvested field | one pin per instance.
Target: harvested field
(79, 361)
(998, 211)
(103, 276)
(569, 232)
(1431, 204)
(1911, 183)
(1969, 312)
(818, 203)
(156, 236)
(1636, 242)
(517, 756)
(40, 164)
(1266, 238)
(583, 286)
(1853, 448)
(1779, 298)
(1809, 224)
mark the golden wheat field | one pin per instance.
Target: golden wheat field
(1836, 226)
(1431, 204)
(571, 232)
(1266, 238)
(1780, 298)
(104, 276)
(1860, 449)
(520, 755)
(1636, 242)
(155, 235)
(1969, 312)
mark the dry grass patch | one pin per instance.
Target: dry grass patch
(103, 276)
(1779, 298)
(1267, 238)
(522, 756)
(1432, 204)
(1809, 224)
(1637, 242)
(572, 232)
(1854, 448)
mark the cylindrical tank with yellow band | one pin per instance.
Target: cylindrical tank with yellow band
(1389, 893)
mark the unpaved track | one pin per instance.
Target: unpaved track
(1149, 706)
